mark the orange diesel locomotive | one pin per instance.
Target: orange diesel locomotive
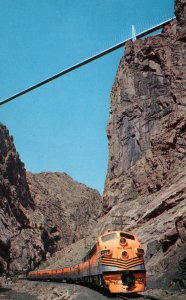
(115, 262)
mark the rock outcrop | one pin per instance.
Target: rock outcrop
(20, 243)
(70, 209)
(39, 213)
(146, 129)
(146, 179)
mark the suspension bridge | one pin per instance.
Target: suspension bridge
(89, 59)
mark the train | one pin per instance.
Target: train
(115, 262)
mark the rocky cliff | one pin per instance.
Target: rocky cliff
(20, 243)
(70, 209)
(41, 213)
(146, 129)
(146, 179)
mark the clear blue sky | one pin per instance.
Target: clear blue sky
(62, 126)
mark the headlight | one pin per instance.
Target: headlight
(105, 252)
(123, 241)
(124, 254)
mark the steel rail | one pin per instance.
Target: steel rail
(138, 296)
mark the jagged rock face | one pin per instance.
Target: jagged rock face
(147, 117)
(20, 243)
(41, 213)
(70, 209)
(147, 145)
(180, 13)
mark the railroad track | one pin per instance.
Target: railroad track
(108, 295)
(136, 296)
(128, 297)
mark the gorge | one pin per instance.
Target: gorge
(146, 177)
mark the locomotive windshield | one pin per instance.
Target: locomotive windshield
(127, 236)
(108, 237)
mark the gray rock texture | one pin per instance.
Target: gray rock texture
(41, 213)
(146, 129)
(70, 209)
(20, 243)
(31, 290)
(146, 179)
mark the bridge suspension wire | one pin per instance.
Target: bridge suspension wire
(86, 61)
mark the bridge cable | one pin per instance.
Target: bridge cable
(84, 62)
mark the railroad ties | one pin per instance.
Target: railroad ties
(135, 296)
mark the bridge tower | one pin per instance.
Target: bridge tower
(133, 33)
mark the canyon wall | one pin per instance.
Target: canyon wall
(39, 213)
(20, 243)
(146, 129)
(70, 209)
(146, 178)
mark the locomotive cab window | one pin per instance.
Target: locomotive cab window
(108, 237)
(127, 236)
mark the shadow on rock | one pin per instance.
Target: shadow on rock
(3, 290)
